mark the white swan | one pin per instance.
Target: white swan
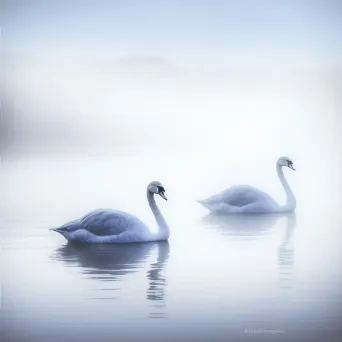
(247, 199)
(114, 226)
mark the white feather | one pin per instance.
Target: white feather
(114, 226)
(247, 199)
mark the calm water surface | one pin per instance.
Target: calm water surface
(275, 277)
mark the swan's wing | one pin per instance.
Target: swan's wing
(109, 222)
(238, 196)
(214, 199)
(241, 195)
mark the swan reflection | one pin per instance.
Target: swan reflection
(157, 281)
(258, 225)
(242, 224)
(110, 263)
(286, 253)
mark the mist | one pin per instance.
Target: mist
(83, 76)
(103, 107)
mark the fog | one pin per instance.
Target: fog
(209, 122)
(163, 104)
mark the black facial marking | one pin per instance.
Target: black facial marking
(289, 162)
(160, 189)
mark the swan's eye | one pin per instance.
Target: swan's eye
(289, 162)
(160, 189)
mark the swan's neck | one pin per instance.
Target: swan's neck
(290, 198)
(164, 231)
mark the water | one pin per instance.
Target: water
(275, 277)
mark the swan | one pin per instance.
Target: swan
(247, 199)
(114, 226)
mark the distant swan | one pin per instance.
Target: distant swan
(247, 199)
(114, 226)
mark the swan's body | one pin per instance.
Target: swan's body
(114, 226)
(247, 199)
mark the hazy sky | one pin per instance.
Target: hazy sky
(193, 31)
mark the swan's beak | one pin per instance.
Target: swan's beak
(292, 168)
(162, 195)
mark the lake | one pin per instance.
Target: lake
(218, 278)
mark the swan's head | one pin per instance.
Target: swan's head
(286, 161)
(157, 188)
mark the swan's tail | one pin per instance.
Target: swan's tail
(68, 227)
(215, 207)
(59, 230)
(63, 231)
